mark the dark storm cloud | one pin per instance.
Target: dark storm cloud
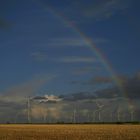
(46, 99)
(78, 96)
(130, 85)
(107, 93)
(39, 98)
(96, 80)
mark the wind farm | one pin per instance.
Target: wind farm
(51, 109)
(72, 125)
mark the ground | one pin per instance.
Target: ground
(69, 132)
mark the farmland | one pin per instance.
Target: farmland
(69, 132)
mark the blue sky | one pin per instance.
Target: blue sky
(36, 41)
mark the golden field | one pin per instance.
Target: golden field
(69, 132)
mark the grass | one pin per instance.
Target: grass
(69, 132)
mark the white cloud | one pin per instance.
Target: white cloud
(105, 9)
(39, 56)
(82, 11)
(76, 59)
(46, 98)
(73, 42)
(66, 41)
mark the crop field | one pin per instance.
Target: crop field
(69, 132)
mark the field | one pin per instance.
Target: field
(69, 132)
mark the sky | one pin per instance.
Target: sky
(69, 48)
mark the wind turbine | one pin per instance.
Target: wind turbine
(74, 115)
(118, 114)
(114, 113)
(120, 109)
(76, 112)
(44, 113)
(100, 107)
(16, 116)
(28, 110)
(117, 110)
(111, 116)
(94, 115)
(88, 116)
(131, 107)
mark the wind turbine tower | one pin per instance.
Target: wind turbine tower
(88, 116)
(118, 115)
(45, 118)
(28, 110)
(100, 107)
(74, 116)
(131, 107)
(94, 115)
(111, 116)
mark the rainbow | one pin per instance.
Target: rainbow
(91, 46)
